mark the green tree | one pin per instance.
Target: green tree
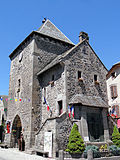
(116, 137)
(76, 143)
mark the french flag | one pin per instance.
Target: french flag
(45, 101)
(72, 110)
(113, 113)
(69, 111)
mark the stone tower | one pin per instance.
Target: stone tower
(32, 55)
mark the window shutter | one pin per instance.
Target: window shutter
(111, 88)
(113, 91)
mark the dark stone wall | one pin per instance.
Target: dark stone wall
(63, 129)
(45, 50)
(24, 71)
(83, 59)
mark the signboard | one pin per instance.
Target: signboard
(48, 143)
(86, 139)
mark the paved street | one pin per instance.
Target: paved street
(14, 154)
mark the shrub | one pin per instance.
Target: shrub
(105, 147)
(116, 137)
(76, 143)
(115, 151)
(95, 149)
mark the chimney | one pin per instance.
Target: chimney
(83, 36)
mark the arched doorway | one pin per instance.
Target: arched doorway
(16, 132)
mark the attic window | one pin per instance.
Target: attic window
(113, 74)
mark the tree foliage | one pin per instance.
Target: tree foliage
(116, 137)
(76, 143)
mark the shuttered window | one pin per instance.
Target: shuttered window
(113, 91)
(116, 109)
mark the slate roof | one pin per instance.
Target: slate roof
(58, 59)
(88, 101)
(61, 57)
(116, 65)
(49, 29)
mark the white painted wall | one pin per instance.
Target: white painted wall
(1, 111)
(114, 81)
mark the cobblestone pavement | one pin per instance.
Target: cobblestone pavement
(14, 154)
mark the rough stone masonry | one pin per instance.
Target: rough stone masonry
(48, 73)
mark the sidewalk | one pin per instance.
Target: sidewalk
(14, 154)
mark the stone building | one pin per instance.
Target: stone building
(47, 69)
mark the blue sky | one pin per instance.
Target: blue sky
(99, 18)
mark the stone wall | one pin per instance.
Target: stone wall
(24, 71)
(60, 128)
(53, 93)
(49, 126)
(63, 129)
(45, 50)
(83, 59)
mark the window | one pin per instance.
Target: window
(113, 91)
(80, 76)
(52, 81)
(115, 110)
(18, 89)
(95, 77)
(19, 83)
(52, 77)
(44, 92)
(113, 75)
(60, 107)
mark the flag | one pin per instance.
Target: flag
(69, 111)
(72, 110)
(48, 108)
(45, 102)
(118, 123)
(113, 112)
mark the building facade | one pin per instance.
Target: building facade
(3, 116)
(113, 90)
(48, 74)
